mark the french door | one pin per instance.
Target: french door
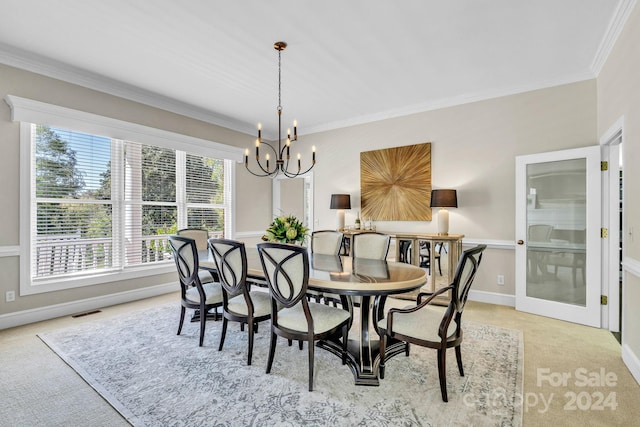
(558, 220)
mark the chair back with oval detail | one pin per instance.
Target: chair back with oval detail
(240, 303)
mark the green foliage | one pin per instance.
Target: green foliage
(57, 175)
(286, 229)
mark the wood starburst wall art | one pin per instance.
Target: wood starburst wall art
(395, 183)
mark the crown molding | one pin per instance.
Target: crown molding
(450, 102)
(48, 67)
(55, 69)
(611, 36)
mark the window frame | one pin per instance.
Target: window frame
(28, 111)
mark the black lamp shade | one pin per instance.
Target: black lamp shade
(340, 201)
(444, 199)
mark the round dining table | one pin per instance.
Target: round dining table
(371, 280)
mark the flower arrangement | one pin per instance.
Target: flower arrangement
(286, 229)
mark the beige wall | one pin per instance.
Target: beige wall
(473, 150)
(253, 203)
(619, 96)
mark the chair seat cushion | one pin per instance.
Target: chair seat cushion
(213, 292)
(205, 276)
(422, 324)
(324, 317)
(261, 304)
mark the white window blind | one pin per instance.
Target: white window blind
(91, 219)
(206, 199)
(72, 203)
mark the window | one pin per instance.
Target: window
(99, 209)
(72, 202)
(77, 199)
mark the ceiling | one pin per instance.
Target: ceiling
(347, 62)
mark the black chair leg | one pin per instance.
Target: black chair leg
(250, 326)
(442, 373)
(300, 344)
(272, 351)
(383, 345)
(224, 333)
(182, 310)
(459, 359)
(345, 339)
(203, 324)
(311, 364)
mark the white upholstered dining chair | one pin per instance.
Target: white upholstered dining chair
(286, 268)
(429, 326)
(325, 242)
(193, 293)
(239, 303)
(370, 245)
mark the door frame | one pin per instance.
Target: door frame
(308, 195)
(554, 309)
(611, 143)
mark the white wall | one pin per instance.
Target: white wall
(619, 97)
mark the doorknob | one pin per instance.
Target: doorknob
(521, 242)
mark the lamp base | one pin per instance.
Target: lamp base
(443, 222)
(340, 220)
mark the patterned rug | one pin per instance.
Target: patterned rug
(155, 378)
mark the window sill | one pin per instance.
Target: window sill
(29, 287)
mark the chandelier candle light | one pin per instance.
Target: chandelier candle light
(281, 158)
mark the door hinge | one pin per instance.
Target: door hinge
(604, 233)
(603, 300)
(604, 166)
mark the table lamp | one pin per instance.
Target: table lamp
(340, 202)
(443, 199)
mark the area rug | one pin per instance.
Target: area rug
(154, 377)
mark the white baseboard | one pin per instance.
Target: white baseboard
(58, 310)
(631, 360)
(492, 298)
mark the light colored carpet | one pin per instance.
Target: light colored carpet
(153, 377)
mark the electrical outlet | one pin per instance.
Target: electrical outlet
(10, 296)
(500, 279)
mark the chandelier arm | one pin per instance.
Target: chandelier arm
(308, 170)
(256, 174)
(290, 174)
(259, 163)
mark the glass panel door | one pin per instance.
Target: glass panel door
(556, 228)
(558, 221)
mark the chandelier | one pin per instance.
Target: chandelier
(281, 154)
